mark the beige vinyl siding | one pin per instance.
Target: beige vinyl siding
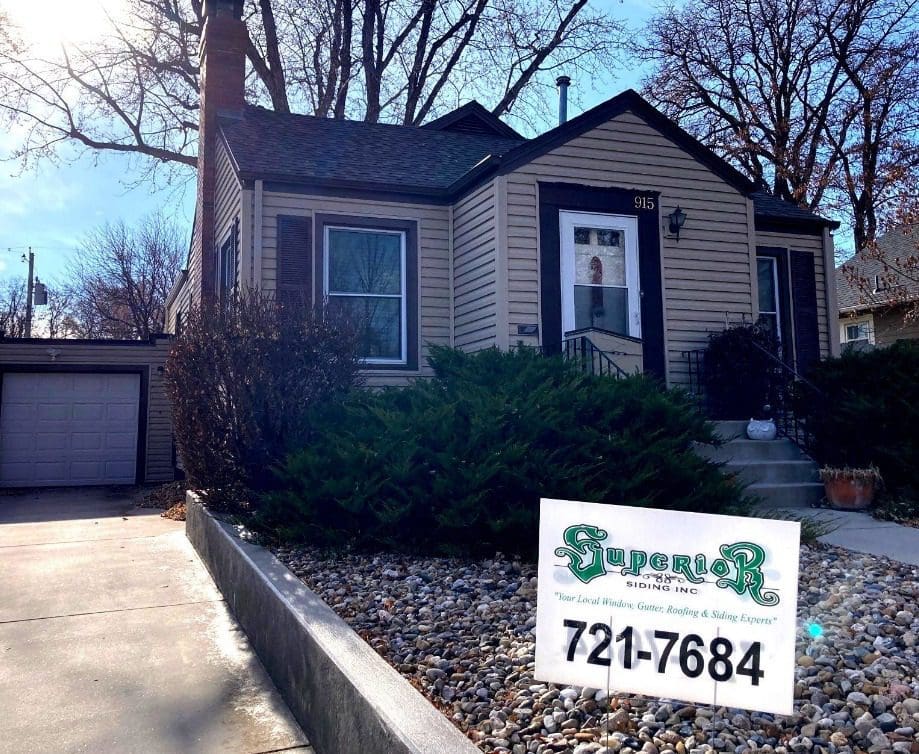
(707, 275)
(813, 244)
(433, 260)
(475, 283)
(227, 208)
(193, 284)
(228, 199)
(891, 326)
(181, 303)
(159, 466)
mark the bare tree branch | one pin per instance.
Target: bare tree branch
(808, 97)
(122, 276)
(135, 90)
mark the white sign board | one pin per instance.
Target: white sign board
(669, 604)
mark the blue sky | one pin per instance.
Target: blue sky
(51, 207)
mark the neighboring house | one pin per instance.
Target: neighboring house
(873, 303)
(462, 232)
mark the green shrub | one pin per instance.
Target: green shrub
(869, 413)
(243, 380)
(457, 463)
(738, 373)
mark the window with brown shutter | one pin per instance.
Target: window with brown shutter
(295, 259)
(367, 268)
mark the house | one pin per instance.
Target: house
(615, 226)
(873, 297)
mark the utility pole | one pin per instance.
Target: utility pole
(29, 286)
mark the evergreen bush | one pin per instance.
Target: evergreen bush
(739, 375)
(868, 414)
(457, 463)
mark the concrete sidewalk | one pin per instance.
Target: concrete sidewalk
(862, 533)
(113, 638)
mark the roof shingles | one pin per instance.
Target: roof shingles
(425, 160)
(899, 243)
(265, 144)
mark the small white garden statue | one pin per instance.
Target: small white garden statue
(762, 429)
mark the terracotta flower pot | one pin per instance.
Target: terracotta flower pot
(846, 493)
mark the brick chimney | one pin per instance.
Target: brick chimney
(223, 72)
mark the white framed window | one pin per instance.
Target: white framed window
(227, 266)
(599, 272)
(364, 277)
(857, 330)
(767, 281)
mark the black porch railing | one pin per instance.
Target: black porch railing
(786, 391)
(590, 359)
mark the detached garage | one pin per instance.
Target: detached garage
(78, 412)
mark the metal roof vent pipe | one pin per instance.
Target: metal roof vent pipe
(562, 82)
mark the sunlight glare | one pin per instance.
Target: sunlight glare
(45, 25)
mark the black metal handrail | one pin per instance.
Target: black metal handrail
(591, 359)
(786, 388)
(787, 391)
(695, 360)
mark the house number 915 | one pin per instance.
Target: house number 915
(644, 202)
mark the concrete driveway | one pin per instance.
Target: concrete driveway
(113, 638)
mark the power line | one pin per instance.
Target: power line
(40, 248)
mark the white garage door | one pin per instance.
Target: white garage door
(64, 429)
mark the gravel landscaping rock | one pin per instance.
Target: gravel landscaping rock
(462, 633)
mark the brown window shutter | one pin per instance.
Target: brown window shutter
(295, 259)
(804, 298)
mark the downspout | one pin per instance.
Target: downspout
(257, 234)
(752, 241)
(245, 238)
(502, 271)
(451, 275)
(829, 289)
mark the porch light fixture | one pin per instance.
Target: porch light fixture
(677, 218)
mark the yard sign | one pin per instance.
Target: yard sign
(669, 604)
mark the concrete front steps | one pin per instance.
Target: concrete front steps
(775, 471)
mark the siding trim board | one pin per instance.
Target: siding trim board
(556, 197)
(140, 462)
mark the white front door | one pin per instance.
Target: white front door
(599, 272)
(63, 429)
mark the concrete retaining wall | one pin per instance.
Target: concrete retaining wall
(345, 696)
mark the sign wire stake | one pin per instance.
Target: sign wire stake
(609, 693)
(714, 700)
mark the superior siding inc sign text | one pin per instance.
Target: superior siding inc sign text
(669, 604)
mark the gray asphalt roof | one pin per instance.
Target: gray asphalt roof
(303, 147)
(767, 205)
(899, 243)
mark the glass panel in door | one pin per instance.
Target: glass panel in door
(599, 273)
(768, 290)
